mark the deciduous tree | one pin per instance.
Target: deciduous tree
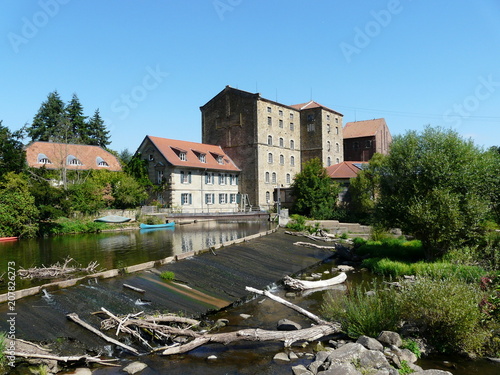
(12, 155)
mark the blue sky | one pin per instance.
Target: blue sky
(149, 65)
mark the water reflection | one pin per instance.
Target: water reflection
(121, 249)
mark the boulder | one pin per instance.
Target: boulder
(345, 268)
(281, 357)
(346, 353)
(301, 370)
(81, 371)
(288, 325)
(245, 316)
(341, 369)
(370, 343)
(390, 338)
(373, 359)
(435, 372)
(134, 367)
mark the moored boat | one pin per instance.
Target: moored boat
(152, 226)
(5, 239)
(113, 219)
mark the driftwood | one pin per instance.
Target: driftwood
(135, 289)
(307, 244)
(56, 270)
(303, 284)
(80, 358)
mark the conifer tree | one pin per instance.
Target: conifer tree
(77, 128)
(97, 134)
(48, 119)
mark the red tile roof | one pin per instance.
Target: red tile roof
(59, 155)
(346, 169)
(312, 104)
(193, 151)
(364, 128)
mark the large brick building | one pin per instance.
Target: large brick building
(268, 140)
(364, 138)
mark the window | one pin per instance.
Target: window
(368, 144)
(209, 198)
(328, 146)
(310, 117)
(269, 140)
(282, 160)
(336, 130)
(281, 123)
(203, 158)
(159, 177)
(72, 160)
(288, 179)
(222, 178)
(232, 198)
(268, 196)
(220, 160)
(267, 177)
(282, 143)
(151, 157)
(292, 161)
(337, 147)
(233, 179)
(337, 160)
(328, 128)
(291, 116)
(43, 159)
(209, 178)
(186, 198)
(292, 126)
(185, 177)
(336, 120)
(222, 198)
(270, 158)
(182, 156)
(310, 127)
(280, 112)
(328, 117)
(292, 144)
(269, 121)
(273, 178)
(268, 109)
(101, 162)
(328, 161)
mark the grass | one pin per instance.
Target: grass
(392, 248)
(167, 275)
(3, 346)
(66, 226)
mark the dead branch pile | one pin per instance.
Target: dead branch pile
(56, 270)
(170, 334)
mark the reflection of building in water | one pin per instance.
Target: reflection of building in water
(187, 244)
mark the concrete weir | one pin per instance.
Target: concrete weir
(204, 281)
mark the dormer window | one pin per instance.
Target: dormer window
(220, 159)
(203, 158)
(182, 156)
(73, 160)
(43, 159)
(101, 162)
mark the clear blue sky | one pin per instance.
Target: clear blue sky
(149, 65)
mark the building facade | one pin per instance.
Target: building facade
(269, 140)
(191, 177)
(362, 139)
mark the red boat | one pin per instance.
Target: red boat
(5, 239)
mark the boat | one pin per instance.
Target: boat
(113, 219)
(153, 226)
(5, 239)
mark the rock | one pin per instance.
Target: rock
(134, 367)
(290, 295)
(435, 372)
(81, 371)
(407, 355)
(301, 370)
(390, 338)
(415, 367)
(370, 293)
(288, 325)
(221, 323)
(341, 369)
(245, 316)
(346, 353)
(281, 357)
(370, 343)
(293, 356)
(373, 359)
(326, 272)
(212, 358)
(345, 268)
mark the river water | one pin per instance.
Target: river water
(116, 250)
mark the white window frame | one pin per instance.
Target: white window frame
(209, 198)
(292, 161)
(233, 198)
(266, 178)
(182, 156)
(209, 178)
(186, 199)
(270, 158)
(223, 198)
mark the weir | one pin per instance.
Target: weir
(206, 282)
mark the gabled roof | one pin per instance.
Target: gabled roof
(346, 169)
(52, 155)
(312, 104)
(171, 148)
(366, 128)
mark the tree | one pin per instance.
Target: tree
(47, 121)
(96, 133)
(314, 191)
(125, 156)
(18, 213)
(437, 187)
(12, 155)
(77, 132)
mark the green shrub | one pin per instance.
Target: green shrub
(65, 226)
(167, 275)
(405, 368)
(358, 241)
(393, 248)
(446, 312)
(297, 223)
(363, 314)
(412, 346)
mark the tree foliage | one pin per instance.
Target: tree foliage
(12, 155)
(314, 191)
(436, 186)
(18, 213)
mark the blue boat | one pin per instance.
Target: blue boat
(113, 219)
(153, 226)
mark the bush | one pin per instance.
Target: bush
(447, 314)
(167, 275)
(298, 223)
(363, 314)
(65, 226)
(393, 248)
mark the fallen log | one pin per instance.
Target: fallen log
(75, 318)
(303, 284)
(307, 244)
(135, 289)
(76, 358)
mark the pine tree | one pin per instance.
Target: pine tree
(97, 134)
(77, 128)
(47, 121)
(12, 155)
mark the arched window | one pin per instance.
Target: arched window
(73, 160)
(268, 197)
(288, 179)
(282, 142)
(270, 158)
(269, 140)
(292, 160)
(282, 160)
(101, 162)
(337, 147)
(328, 161)
(328, 146)
(43, 159)
(274, 178)
(267, 177)
(292, 144)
